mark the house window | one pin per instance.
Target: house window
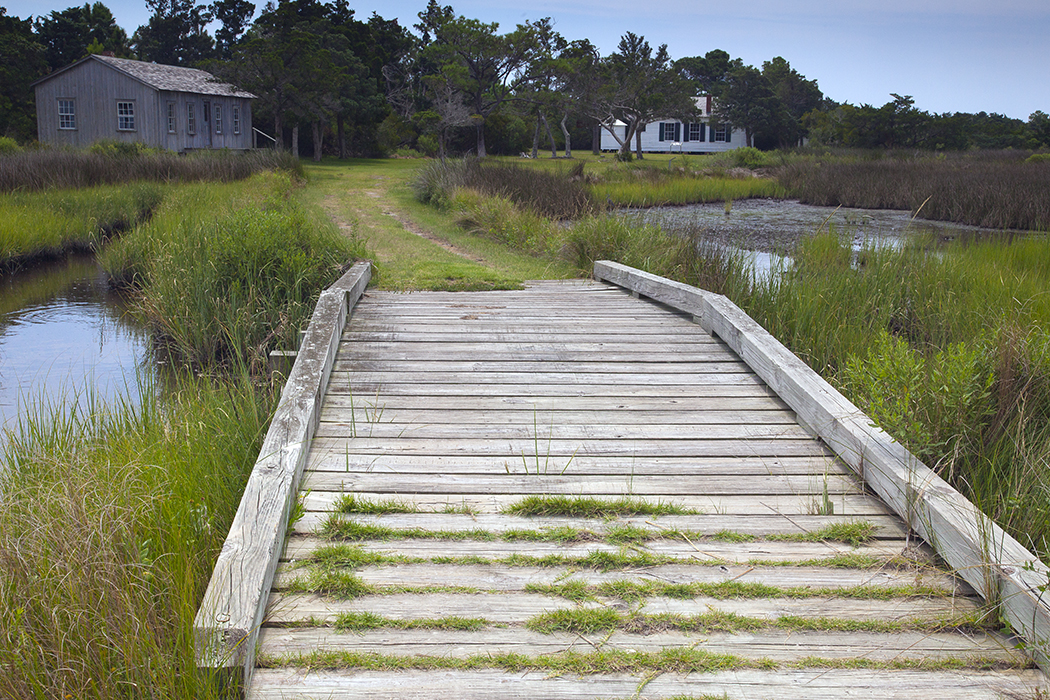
(720, 133)
(171, 117)
(191, 118)
(125, 116)
(218, 119)
(67, 114)
(696, 132)
(236, 120)
(668, 131)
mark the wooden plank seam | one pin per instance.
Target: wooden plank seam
(227, 623)
(1002, 571)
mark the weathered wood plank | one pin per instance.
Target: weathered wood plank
(701, 552)
(446, 364)
(848, 504)
(783, 684)
(748, 398)
(774, 645)
(515, 578)
(365, 413)
(668, 487)
(982, 552)
(512, 450)
(540, 375)
(232, 609)
(728, 386)
(886, 526)
(581, 464)
(515, 608)
(754, 429)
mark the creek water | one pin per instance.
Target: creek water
(765, 227)
(65, 335)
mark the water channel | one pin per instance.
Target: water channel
(64, 335)
(767, 227)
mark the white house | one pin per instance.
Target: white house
(675, 136)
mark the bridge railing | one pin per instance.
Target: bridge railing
(978, 550)
(231, 613)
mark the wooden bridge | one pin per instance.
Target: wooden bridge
(618, 488)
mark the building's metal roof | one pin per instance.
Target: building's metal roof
(161, 77)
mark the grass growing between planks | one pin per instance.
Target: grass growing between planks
(675, 660)
(588, 507)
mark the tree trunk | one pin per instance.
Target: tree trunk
(596, 139)
(536, 139)
(341, 131)
(318, 140)
(481, 140)
(550, 135)
(278, 132)
(295, 140)
(638, 142)
(568, 139)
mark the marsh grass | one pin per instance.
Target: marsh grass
(990, 189)
(49, 224)
(230, 271)
(116, 164)
(109, 524)
(652, 187)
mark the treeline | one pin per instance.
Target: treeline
(329, 82)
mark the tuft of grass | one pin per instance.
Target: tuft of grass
(588, 507)
(361, 621)
(352, 504)
(854, 533)
(336, 527)
(345, 585)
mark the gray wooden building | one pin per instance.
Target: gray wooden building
(117, 99)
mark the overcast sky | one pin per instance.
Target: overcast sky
(950, 55)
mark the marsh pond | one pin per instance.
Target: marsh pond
(64, 335)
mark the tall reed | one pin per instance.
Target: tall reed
(230, 271)
(59, 168)
(110, 520)
(994, 190)
(51, 223)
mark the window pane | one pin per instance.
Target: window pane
(125, 116)
(67, 115)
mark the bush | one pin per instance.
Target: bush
(9, 146)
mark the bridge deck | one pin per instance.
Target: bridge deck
(410, 573)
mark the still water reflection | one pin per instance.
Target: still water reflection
(63, 332)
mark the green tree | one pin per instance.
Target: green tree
(175, 34)
(1039, 127)
(67, 35)
(638, 87)
(706, 74)
(235, 16)
(23, 62)
(796, 95)
(481, 63)
(749, 103)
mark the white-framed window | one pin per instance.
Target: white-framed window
(218, 119)
(236, 119)
(668, 131)
(171, 118)
(719, 133)
(191, 118)
(67, 114)
(696, 132)
(125, 115)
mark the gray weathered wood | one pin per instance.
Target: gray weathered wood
(977, 548)
(781, 683)
(232, 609)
